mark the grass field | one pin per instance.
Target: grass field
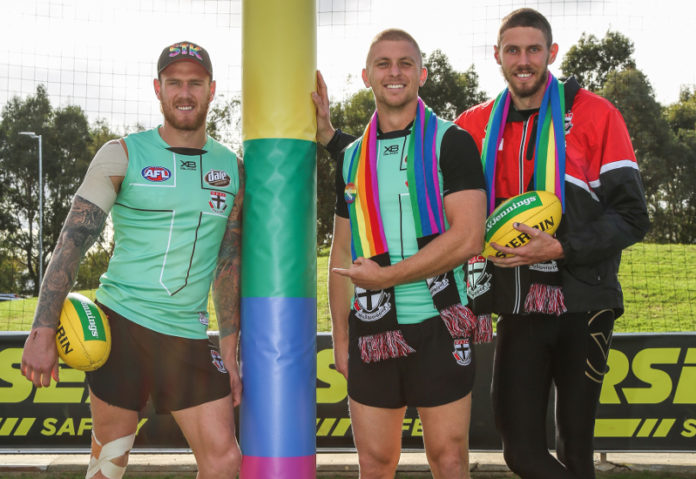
(658, 281)
(659, 288)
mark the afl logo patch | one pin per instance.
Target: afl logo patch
(217, 178)
(156, 174)
(349, 193)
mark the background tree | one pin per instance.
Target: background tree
(12, 271)
(351, 116)
(224, 121)
(449, 92)
(66, 137)
(652, 140)
(681, 117)
(591, 60)
(664, 139)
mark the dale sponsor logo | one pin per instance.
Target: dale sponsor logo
(156, 174)
(217, 178)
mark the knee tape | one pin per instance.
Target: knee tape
(107, 452)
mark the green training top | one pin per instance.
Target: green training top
(169, 219)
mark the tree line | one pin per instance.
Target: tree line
(664, 139)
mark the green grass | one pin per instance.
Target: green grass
(658, 281)
(323, 315)
(18, 315)
(659, 288)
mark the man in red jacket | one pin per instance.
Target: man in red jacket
(556, 297)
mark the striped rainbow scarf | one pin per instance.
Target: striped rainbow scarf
(368, 238)
(383, 339)
(545, 294)
(549, 156)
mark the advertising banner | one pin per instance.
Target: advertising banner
(648, 402)
(648, 399)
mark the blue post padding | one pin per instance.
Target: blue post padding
(278, 355)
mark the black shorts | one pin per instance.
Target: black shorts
(177, 372)
(439, 372)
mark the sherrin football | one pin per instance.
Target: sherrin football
(539, 209)
(83, 336)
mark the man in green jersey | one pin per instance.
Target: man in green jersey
(175, 196)
(410, 209)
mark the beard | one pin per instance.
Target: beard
(527, 90)
(189, 124)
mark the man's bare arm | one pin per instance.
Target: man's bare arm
(82, 227)
(226, 285)
(466, 214)
(340, 292)
(227, 289)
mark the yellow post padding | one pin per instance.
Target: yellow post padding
(278, 69)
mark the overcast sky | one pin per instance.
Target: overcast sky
(101, 54)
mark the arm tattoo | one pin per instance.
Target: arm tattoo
(227, 282)
(82, 227)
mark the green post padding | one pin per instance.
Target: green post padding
(279, 219)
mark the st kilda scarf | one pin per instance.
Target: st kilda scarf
(545, 293)
(374, 313)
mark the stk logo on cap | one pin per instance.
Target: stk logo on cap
(184, 51)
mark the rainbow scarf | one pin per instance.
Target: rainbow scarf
(545, 293)
(379, 335)
(549, 156)
(362, 190)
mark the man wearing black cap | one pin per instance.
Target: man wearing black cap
(175, 196)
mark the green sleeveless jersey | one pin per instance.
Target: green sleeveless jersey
(169, 219)
(414, 303)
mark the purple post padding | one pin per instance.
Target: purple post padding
(274, 467)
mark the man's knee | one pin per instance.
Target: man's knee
(377, 465)
(221, 464)
(577, 458)
(109, 460)
(449, 462)
(523, 461)
(451, 466)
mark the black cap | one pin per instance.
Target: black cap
(184, 51)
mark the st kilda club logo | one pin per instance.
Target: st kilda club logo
(371, 305)
(462, 352)
(218, 201)
(437, 283)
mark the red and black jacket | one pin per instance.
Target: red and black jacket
(605, 202)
